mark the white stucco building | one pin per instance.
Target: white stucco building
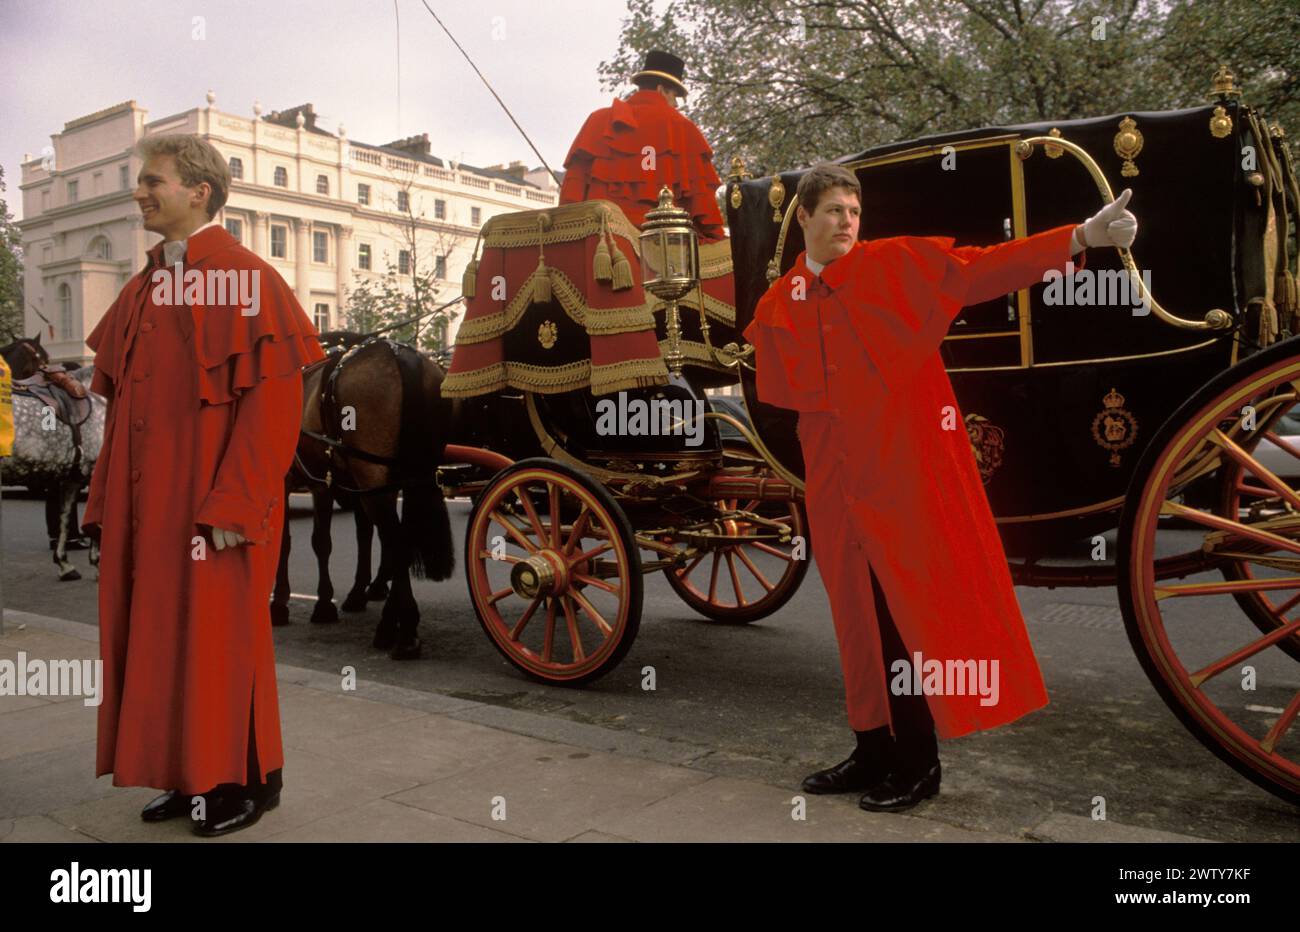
(321, 208)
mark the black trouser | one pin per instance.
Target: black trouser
(253, 785)
(913, 725)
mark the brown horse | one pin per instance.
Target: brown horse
(24, 356)
(375, 425)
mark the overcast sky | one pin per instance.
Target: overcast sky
(66, 58)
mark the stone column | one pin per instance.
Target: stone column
(302, 263)
(261, 229)
(343, 268)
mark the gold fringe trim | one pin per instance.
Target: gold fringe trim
(567, 223)
(636, 373)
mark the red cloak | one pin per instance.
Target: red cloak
(891, 478)
(204, 411)
(608, 158)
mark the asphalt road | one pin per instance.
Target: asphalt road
(767, 699)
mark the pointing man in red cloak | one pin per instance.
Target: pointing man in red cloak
(200, 358)
(627, 151)
(849, 338)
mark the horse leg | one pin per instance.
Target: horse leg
(66, 491)
(365, 528)
(377, 591)
(323, 507)
(280, 596)
(401, 615)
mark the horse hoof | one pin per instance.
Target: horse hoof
(324, 613)
(356, 601)
(279, 615)
(69, 576)
(377, 592)
(385, 637)
(406, 650)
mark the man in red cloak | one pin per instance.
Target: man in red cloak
(200, 357)
(849, 338)
(629, 150)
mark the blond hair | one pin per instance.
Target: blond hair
(197, 162)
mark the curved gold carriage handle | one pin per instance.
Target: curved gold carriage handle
(1215, 319)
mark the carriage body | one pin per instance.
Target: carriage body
(1059, 401)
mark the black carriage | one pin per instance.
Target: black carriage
(1084, 419)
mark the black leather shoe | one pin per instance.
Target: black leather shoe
(167, 806)
(231, 813)
(898, 791)
(847, 776)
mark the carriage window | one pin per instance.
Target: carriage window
(235, 228)
(320, 245)
(322, 317)
(363, 194)
(404, 261)
(236, 167)
(322, 184)
(440, 267)
(279, 241)
(403, 201)
(281, 177)
(363, 256)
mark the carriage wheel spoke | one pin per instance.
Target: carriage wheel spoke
(1282, 443)
(1227, 586)
(572, 621)
(596, 616)
(1227, 524)
(713, 579)
(1260, 472)
(579, 528)
(504, 558)
(555, 515)
(593, 552)
(548, 644)
(768, 548)
(598, 583)
(735, 580)
(744, 557)
(1280, 727)
(527, 501)
(1250, 650)
(513, 531)
(500, 594)
(518, 629)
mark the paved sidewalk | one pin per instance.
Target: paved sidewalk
(385, 763)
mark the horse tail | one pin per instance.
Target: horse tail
(426, 525)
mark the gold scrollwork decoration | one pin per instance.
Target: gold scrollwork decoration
(776, 197)
(1128, 143)
(1051, 151)
(547, 334)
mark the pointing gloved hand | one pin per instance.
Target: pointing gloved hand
(1111, 226)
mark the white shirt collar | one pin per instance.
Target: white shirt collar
(813, 266)
(174, 251)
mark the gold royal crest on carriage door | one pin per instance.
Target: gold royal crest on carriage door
(1114, 428)
(988, 442)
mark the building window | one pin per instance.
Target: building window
(322, 317)
(123, 177)
(279, 241)
(476, 216)
(322, 184)
(440, 209)
(404, 261)
(281, 176)
(65, 311)
(440, 267)
(235, 228)
(403, 201)
(97, 184)
(363, 256)
(320, 246)
(45, 201)
(236, 167)
(440, 332)
(101, 248)
(363, 194)
(72, 192)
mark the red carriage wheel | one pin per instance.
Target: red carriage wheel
(743, 581)
(1232, 682)
(554, 572)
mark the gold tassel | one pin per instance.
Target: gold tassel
(622, 271)
(469, 281)
(542, 282)
(601, 270)
(1267, 323)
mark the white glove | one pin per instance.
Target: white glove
(1112, 225)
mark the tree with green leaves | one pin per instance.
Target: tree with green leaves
(11, 272)
(784, 83)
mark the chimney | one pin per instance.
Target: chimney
(415, 145)
(289, 117)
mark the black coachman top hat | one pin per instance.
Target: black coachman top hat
(662, 67)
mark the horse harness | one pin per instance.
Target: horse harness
(335, 448)
(70, 409)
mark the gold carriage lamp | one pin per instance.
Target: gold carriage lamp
(670, 267)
